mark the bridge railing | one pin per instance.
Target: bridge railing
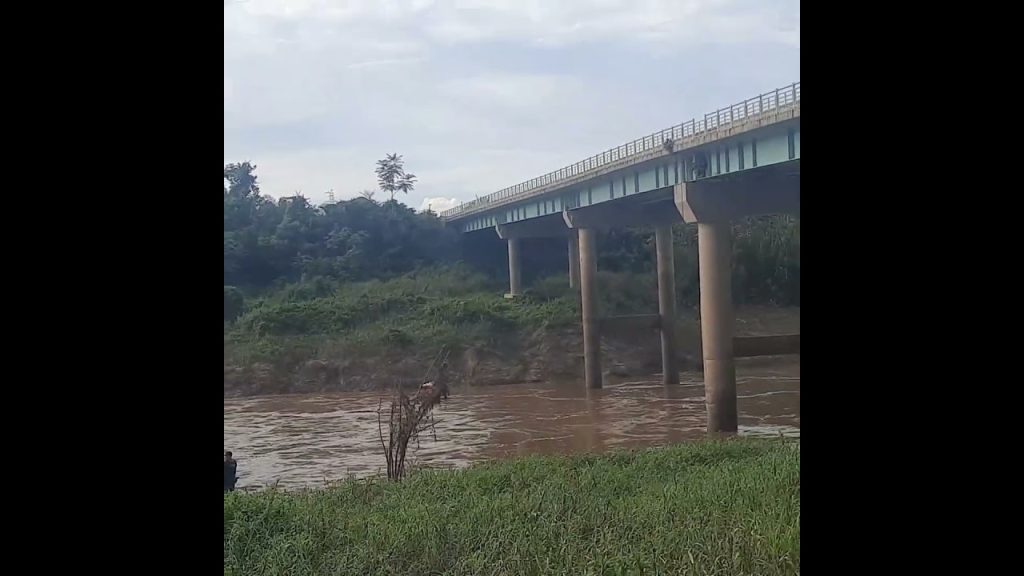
(721, 118)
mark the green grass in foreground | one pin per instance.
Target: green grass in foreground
(730, 508)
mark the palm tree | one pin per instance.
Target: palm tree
(391, 176)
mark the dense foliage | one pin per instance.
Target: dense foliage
(377, 273)
(270, 243)
(366, 279)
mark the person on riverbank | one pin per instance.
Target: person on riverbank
(230, 472)
(440, 384)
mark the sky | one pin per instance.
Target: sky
(477, 95)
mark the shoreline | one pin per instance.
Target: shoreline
(325, 364)
(718, 507)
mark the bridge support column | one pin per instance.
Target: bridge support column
(588, 300)
(667, 303)
(515, 267)
(717, 319)
(574, 259)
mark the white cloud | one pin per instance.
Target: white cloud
(632, 21)
(510, 89)
(480, 94)
(438, 204)
(384, 62)
(541, 21)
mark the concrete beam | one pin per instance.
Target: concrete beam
(750, 346)
(654, 208)
(772, 189)
(548, 226)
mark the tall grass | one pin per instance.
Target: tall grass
(729, 508)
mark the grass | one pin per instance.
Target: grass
(727, 507)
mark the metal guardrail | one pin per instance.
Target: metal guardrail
(712, 121)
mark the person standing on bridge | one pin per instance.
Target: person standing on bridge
(700, 166)
(230, 472)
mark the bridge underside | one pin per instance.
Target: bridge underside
(654, 208)
(548, 226)
(772, 189)
(712, 204)
(736, 162)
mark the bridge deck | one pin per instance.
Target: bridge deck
(752, 114)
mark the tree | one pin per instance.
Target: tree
(241, 180)
(391, 175)
(269, 243)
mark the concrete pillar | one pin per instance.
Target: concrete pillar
(716, 317)
(515, 268)
(574, 259)
(588, 303)
(667, 303)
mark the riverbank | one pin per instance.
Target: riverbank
(320, 338)
(729, 507)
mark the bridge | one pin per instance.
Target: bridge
(738, 161)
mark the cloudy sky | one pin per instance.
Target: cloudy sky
(480, 94)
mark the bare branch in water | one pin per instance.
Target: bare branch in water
(410, 416)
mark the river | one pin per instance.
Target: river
(305, 441)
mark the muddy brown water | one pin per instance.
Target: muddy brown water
(307, 440)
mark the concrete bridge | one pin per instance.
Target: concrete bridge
(738, 161)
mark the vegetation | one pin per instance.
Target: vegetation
(409, 416)
(729, 508)
(269, 244)
(363, 277)
(367, 279)
(428, 308)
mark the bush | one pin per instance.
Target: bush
(550, 288)
(234, 303)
